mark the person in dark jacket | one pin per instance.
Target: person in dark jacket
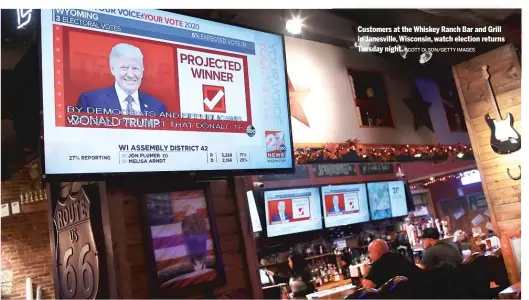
(387, 265)
(299, 281)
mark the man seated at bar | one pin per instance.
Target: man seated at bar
(387, 265)
(437, 253)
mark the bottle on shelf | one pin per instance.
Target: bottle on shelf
(325, 276)
(308, 250)
(336, 274)
(369, 120)
(459, 124)
(314, 276)
(346, 273)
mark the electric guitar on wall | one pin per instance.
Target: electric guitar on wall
(504, 138)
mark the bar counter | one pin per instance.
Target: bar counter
(337, 290)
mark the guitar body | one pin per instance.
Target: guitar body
(504, 139)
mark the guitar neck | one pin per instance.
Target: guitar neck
(493, 99)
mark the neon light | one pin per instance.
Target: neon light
(23, 17)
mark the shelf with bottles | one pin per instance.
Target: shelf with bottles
(306, 258)
(324, 272)
(311, 250)
(332, 285)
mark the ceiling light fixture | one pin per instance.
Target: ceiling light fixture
(294, 25)
(425, 57)
(403, 51)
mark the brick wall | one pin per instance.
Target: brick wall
(26, 244)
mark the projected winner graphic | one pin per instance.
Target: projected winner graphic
(217, 82)
(148, 90)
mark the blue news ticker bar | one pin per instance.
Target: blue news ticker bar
(293, 195)
(163, 32)
(344, 190)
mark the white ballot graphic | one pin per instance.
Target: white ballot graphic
(300, 208)
(351, 202)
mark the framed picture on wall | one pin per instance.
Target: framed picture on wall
(371, 98)
(477, 201)
(452, 105)
(182, 246)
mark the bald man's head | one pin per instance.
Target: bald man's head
(377, 248)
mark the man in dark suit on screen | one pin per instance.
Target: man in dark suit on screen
(126, 64)
(281, 215)
(336, 205)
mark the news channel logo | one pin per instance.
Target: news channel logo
(275, 144)
(250, 131)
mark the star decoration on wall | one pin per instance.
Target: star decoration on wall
(296, 97)
(420, 110)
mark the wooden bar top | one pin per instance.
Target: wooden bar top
(512, 292)
(334, 284)
(336, 292)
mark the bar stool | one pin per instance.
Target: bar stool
(396, 288)
(471, 258)
(364, 293)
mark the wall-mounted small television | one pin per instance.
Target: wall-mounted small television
(135, 91)
(387, 199)
(254, 213)
(291, 211)
(344, 204)
(469, 177)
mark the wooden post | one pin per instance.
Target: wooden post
(503, 193)
(239, 192)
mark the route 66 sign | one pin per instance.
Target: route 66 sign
(76, 253)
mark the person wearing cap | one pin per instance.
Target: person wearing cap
(437, 253)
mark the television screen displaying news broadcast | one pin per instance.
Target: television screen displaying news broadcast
(292, 211)
(344, 204)
(387, 199)
(147, 90)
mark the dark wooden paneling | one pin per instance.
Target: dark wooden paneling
(230, 243)
(229, 225)
(233, 261)
(502, 193)
(130, 248)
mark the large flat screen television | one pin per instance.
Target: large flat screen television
(135, 91)
(387, 199)
(344, 204)
(291, 211)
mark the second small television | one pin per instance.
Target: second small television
(292, 210)
(344, 204)
(387, 199)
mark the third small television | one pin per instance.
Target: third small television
(387, 199)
